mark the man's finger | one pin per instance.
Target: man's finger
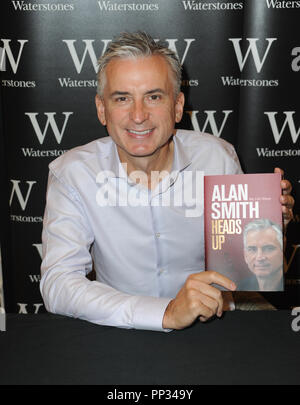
(286, 187)
(215, 304)
(213, 277)
(278, 170)
(208, 296)
(287, 200)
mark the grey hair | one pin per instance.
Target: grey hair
(261, 224)
(136, 45)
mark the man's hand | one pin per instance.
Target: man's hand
(197, 298)
(287, 201)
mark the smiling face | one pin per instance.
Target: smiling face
(263, 253)
(138, 105)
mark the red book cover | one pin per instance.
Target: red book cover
(243, 229)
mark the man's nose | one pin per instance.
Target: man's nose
(139, 112)
(260, 255)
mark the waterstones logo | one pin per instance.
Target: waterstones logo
(257, 55)
(42, 132)
(53, 153)
(84, 56)
(18, 83)
(7, 53)
(252, 49)
(287, 126)
(212, 6)
(85, 51)
(27, 6)
(69, 82)
(51, 121)
(210, 124)
(269, 153)
(236, 81)
(106, 5)
(10, 57)
(282, 4)
(288, 123)
(21, 196)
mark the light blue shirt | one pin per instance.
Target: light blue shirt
(141, 254)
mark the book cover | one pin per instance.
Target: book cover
(243, 229)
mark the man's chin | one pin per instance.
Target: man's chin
(262, 271)
(142, 152)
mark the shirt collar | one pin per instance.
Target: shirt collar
(181, 159)
(112, 163)
(116, 170)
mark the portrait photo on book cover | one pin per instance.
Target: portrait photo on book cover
(243, 230)
(263, 254)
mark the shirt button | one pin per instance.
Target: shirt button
(157, 234)
(161, 271)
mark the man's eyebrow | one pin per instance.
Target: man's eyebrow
(158, 90)
(126, 93)
(119, 93)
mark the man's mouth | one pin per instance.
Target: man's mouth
(140, 134)
(262, 265)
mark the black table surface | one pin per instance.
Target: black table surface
(257, 347)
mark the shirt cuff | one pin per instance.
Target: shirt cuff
(149, 313)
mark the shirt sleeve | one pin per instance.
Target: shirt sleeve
(66, 239)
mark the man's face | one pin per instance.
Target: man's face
(263, 253)
(138, 105)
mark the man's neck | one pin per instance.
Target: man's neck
(155, 167)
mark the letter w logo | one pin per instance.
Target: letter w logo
(50, 121)
(89, 49)
(16, 190)
(210, 120)
(14, 63)
(252, 48)
(289, 121)
(172, 46)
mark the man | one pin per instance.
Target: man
(263, 253)
(149, 260)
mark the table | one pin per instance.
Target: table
(255, 347)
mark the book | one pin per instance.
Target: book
(243, 229)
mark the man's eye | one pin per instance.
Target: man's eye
(269, 248)
(154, 97)
(120, 99)
(251, 249)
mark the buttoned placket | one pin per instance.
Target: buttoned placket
(155, 207)
(181, 162)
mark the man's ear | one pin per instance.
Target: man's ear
(245, 257)
(179, 104)
(100, 109)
